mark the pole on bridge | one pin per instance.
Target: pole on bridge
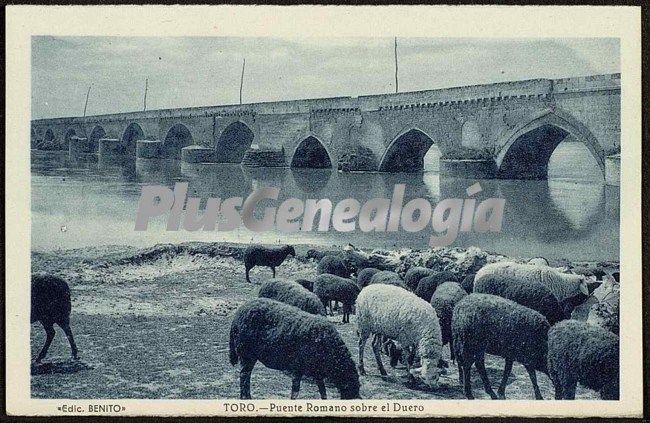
(146, 87)
(86, 105)
(241, 81)
(396, 81)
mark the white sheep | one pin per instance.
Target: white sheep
(564, 286)
(398, 314)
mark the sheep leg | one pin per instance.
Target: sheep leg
(506, 374)
(460, 372)
(248, 269)
(467, 381)
(245, 379)
(569, 390)
(380, 365)
(558, 390)
(363, 337)
(411, 356)
(480, 366)
(68, 333)
(411, 379)
(273, 268)
(321, 388)
(533, 380)
(295, 385)
(49, 332)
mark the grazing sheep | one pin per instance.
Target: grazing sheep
(443, 301)
(283, 337)
(414, 274)
(538, 261)
(334, 265)
(306, 283)
(562, 285)
(51, 304)
(427, 285)
(365, 276)
(531, 294)
(396, 313)
(386, 277)
(484, 323)
(582, 353)
(292, 294)
(259, 255)
(468, 283)
(335, 288)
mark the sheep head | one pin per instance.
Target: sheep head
(429, 373)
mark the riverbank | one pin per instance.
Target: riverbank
(153, 323)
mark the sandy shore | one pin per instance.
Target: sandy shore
(153, 323)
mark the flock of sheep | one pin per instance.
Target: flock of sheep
(521, 312)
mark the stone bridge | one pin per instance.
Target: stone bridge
(501, 130)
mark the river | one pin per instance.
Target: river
(573, 215)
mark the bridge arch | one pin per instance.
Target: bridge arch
(131, 134)
(177, 137)
(406, 152)
(311, 153)
(95, 135)
(233, 142)
(526, 150)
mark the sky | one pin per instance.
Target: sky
(193, 71)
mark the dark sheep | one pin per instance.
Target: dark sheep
(283, 337)
(51, 304)
(414, 274)
(259, 255)
(306, 283)
(292, 294)
(335, 288)
(484, 323)
(531, 294)
(468, 283)
(443, 301)
(579, 352)
(365, 276)
(334, 265)
(387, 277)
(428, 284)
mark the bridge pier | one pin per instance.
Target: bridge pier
(256, 157)
(80, 151)
(148, 149)
(110, 152)
(198, 154)
(468, 168)
(613, 170)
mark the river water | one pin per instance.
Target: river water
(573, 215)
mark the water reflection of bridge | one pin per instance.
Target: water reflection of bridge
(545, 210)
